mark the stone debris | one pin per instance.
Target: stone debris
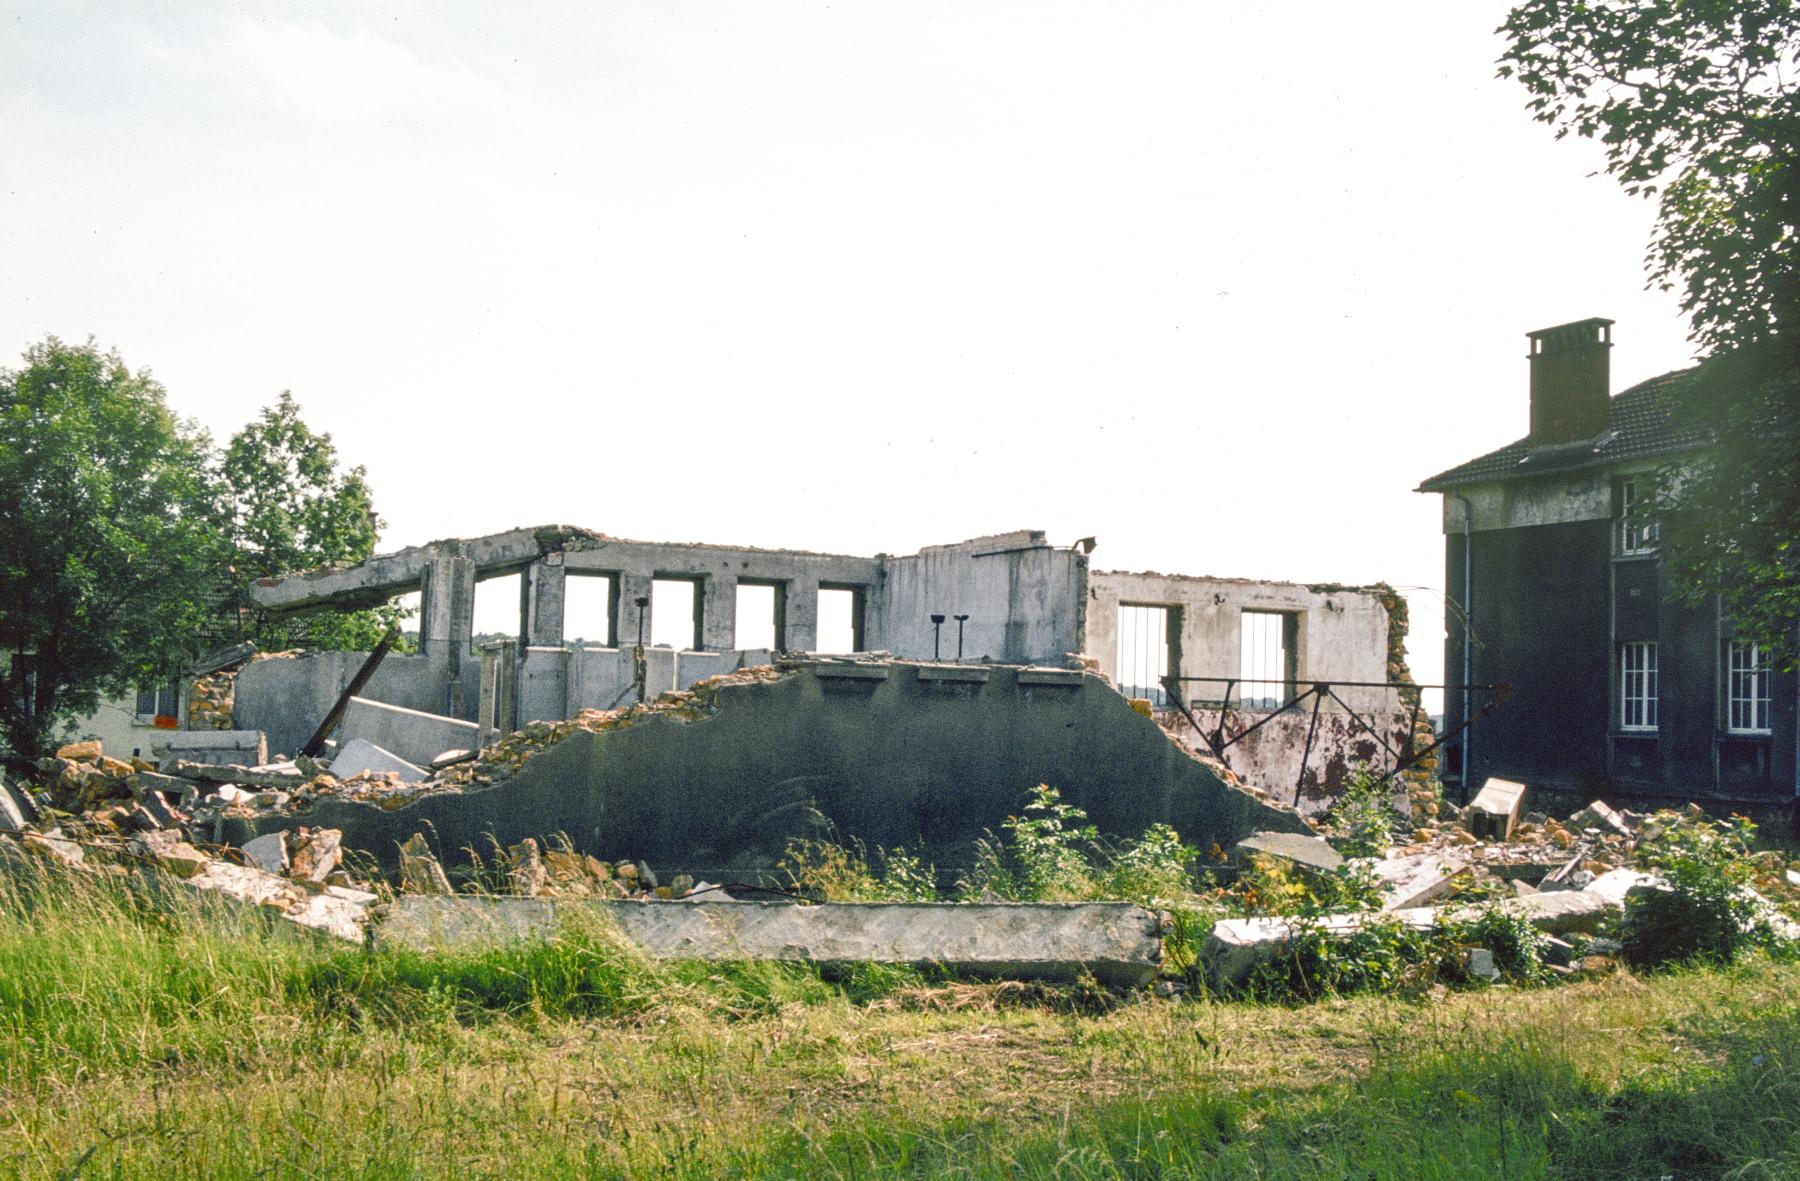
(420, 871)
(95, 813)
(315, 854)
(1236, 946)
(1420, 879)
(1494, 811)
(361, 757)
(268, 853)
(1302, 850)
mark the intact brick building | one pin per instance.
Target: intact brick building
(1552, 569)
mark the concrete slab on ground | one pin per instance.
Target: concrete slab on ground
(1308, 851)
(359, 755)
(1118, 943)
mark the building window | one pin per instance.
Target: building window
(1142, 656)
(1637, 686)
(1268, 646)
(1637, 532)
(163, 701)
(1747, 689)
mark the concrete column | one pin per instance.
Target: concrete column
(718, 612)
(447, 615)
(542, 587)
(803, 614)
(631, 588)
(498, 709)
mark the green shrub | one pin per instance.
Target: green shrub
(1706, 912)
(1042, 858)
(1277, 886)
(1155, 868)
(830, 872)
(1517, 946)
(1364, 815)
(1383, 954)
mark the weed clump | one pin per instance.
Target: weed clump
(1702, 907)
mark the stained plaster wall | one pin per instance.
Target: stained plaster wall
(1343, 632)
(1343, 635)
(925, 756)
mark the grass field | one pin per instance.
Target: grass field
(145, 1037)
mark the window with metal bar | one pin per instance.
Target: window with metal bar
(1266, 662)
(1143, 652)
(1637, 686)
(1747, 689)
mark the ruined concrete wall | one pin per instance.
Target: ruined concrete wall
(890, 754)
(414, 736)
(1343, 631)
(1275, 757)
(1344, 634)
(287, 698)
(1024, 598)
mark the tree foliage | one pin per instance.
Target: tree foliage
(290, 508)
(1697, 105)
(109, 536)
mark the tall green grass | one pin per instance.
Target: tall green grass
(150, 1034)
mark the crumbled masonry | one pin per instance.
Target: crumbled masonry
(95, 814)
(1565, 875)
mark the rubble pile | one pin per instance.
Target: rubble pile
(1562, 876)
(99, 814)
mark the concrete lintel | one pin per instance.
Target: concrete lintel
(1117, 943)
(851, 672)
(1050, 676)
(952, 672)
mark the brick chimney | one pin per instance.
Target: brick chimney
(1571, 381)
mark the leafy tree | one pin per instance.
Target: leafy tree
(1698, 105)
(292, 509)
(109, 534)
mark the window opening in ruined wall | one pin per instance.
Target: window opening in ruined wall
(496, 614)
(1268, 641)
(754, 625)
(1637, 532)
(673, 620)
(840, 628)
(1637, 686)
(1143, 651)
(588, 611)
(1747, 689)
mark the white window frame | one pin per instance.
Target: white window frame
(1747, 681)
(1641, 536)
(1638, 687)
(167, 693)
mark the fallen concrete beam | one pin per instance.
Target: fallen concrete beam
(244, 747)
(1236, 946)
(1116, 942)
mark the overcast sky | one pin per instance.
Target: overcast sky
(1216, 283)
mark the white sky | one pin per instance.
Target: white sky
(1219, 284)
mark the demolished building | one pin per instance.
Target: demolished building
(980, 669)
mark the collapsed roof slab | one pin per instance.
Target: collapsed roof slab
(889, 754)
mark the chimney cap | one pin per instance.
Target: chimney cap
(1593, 330)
